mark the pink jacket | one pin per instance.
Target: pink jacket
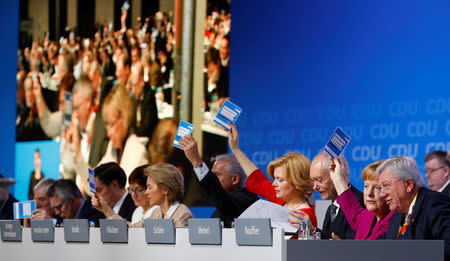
(361, 219)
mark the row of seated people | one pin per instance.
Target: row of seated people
(155, 191)
(395, 203)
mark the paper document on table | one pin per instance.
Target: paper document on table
(279, 215)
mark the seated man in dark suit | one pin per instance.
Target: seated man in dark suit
(224, 184)
(335, 225)
(43, 210)
(420, 212)
(66, 201)
(6, 199)
(438, 171)
(110, 180)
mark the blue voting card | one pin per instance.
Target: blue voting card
(24, 209)
(68, 106)
(91, 181)
(185, 128)
(337, 143)
(229, 112)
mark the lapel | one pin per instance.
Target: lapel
(446, 190)
(125, 206)
(327, 220)
(394, 223)
(410, 231)
(340, 217)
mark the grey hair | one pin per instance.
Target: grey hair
(44, 184)
(404, 168)
(322, 161)
(64, 189)
(83, 86)
(233, 167)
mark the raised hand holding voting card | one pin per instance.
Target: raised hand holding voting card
(337, 143)
(91, 181)
(185, 128)
(229, 112)
(24, 209)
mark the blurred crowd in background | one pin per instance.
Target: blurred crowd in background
(109, 97)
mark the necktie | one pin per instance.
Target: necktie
(333, 212)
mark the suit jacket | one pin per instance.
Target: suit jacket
(340, 225)
(430, 220)
(228, 206)
(100, 140)
(360, 219)
(180, 216)
(88, 212)
(148, 111)
(127, 208)
(7, 211)
(446, 190)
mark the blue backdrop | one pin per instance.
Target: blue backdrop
(24, 164)
(378, 69)
(9, 22)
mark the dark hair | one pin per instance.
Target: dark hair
(438, 154)
(109, 172)
(137, 176)
(64, 189)
(211, 56)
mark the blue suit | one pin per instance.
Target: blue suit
(430, 220)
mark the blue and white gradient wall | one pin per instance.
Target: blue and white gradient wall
(9, 22)
(379, 69)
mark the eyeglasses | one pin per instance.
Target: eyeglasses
(137, 191)
(430, 171)
(320, 180)
(386, 188)
(41, 199)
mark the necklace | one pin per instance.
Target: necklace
(298, 204)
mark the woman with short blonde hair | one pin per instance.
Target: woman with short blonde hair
(292, 185)
(119, 99)
(165, 188)
(124, 147)
(296, 166)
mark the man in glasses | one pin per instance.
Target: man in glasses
(335, 225)
(43, 209)
(420, 212)
(66, 202)
(438, 171)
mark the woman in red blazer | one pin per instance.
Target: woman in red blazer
(291, 187)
